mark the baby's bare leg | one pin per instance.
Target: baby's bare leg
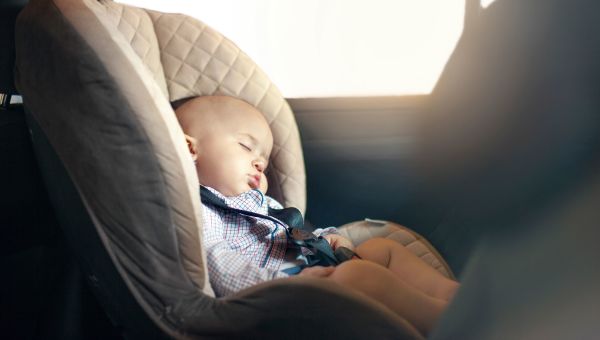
(410, 268)
(371, 279)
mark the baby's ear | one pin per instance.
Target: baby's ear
(192, 146)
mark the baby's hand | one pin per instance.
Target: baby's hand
(317, 271)
(336, 241)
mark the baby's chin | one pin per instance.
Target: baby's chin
(233, 192)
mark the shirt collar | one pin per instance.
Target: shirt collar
(252, 200)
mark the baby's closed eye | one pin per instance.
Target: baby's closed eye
(245, 146)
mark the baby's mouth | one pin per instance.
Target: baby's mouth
(254, 182)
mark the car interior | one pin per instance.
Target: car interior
(491, 179)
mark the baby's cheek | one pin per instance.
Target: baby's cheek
(264, 185)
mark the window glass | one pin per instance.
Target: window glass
(323, 48)
(485, 3)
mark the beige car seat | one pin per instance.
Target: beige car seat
(126, 194)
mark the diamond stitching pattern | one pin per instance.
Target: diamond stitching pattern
(137, 29)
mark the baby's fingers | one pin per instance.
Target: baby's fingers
(317, 271)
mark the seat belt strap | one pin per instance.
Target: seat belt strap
(295, 222)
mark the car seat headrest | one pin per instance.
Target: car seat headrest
(188, 58)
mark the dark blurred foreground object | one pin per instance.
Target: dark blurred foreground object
(510, 145)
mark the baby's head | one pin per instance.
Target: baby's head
(230, 140)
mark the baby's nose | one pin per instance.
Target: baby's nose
(259, 165)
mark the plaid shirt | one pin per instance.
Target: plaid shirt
(243, 251)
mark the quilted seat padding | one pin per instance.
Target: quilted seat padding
(137, 29)
(361, 231)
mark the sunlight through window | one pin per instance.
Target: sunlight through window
(485, 3)
(323, 48)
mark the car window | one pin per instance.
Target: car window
(329, 48)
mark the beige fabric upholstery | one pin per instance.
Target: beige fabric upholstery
(361, 231)
(155, 120)
(137, 29)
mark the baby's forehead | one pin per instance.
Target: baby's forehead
(218, 107)
(201, 114)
